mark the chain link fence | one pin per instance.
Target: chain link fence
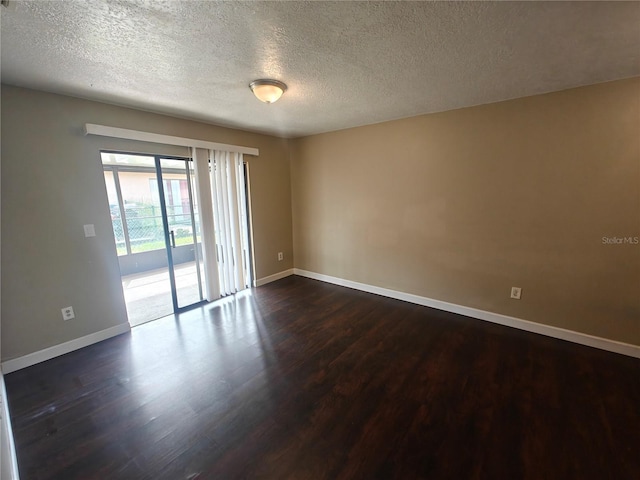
(145, 228)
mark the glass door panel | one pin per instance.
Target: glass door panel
(182, 231)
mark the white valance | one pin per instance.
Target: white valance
(105, 131)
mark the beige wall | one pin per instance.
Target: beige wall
(52, 184)
(460, 206)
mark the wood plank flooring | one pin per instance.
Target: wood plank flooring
(300, 379)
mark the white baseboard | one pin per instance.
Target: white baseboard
(57, 350)
(274, 277)
(548, 330)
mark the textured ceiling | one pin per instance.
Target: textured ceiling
(346, 63)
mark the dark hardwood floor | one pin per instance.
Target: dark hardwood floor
(300, 379)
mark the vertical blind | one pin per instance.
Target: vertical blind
(220, 179)
(229, 215)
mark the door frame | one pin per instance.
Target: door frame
(167, 233)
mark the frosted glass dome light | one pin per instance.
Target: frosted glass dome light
(267, 91)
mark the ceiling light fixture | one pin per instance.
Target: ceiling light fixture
(267, 91)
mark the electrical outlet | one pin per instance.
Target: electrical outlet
(280, 256)
(516, 292)
(67, 313)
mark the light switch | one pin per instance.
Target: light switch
(89, 230)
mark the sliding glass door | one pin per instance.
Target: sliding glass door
(156, 229)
